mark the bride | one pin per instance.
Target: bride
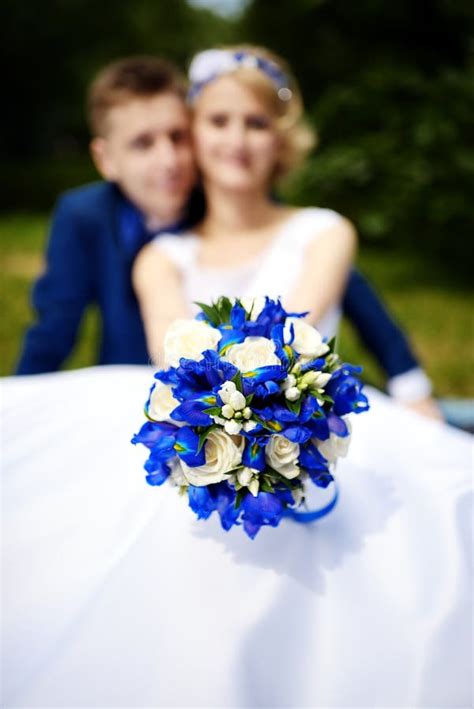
(115, 595)
(248, 131)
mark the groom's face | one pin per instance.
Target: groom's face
(146, 149)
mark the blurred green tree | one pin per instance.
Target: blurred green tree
(389, 87)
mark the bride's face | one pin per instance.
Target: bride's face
(235, 139)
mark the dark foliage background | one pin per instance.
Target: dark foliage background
(389, 87)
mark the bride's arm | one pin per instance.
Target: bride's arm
(328, 259)
(158, 288)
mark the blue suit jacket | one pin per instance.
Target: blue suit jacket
(89, 259)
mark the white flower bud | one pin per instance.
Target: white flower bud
(232, 427)
(244, 476)
(321, 379)
(226, 390)
(249, 426)
(292, 394)
(219, 420)
(289, 382)
(253, 486)
(247, 412)
(309, 378)
(237, 401)
(227, 411)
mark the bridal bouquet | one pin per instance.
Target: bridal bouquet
(251, 407)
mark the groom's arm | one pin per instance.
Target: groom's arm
(60, 295)
(385, 340)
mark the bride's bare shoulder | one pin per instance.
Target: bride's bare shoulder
(152, 265)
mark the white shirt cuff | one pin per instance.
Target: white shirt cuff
(410, 386)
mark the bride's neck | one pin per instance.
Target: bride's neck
(230, 212)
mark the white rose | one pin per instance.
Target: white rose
(252, 353)
(335, 446)
(282, 455)
(189, 338)
(308, 341)
(223, 453)
(254, 306)
(162, 402)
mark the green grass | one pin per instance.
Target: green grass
(436, 312)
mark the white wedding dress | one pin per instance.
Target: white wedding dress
(114, 595)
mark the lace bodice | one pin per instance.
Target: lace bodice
(274, 272)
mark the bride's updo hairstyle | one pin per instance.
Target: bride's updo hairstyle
(269, 77)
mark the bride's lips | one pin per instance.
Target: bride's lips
(238, 161)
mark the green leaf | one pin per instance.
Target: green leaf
(212, 411)
(325, 397)
(332, 343)
(281, 480)
(295, 406)
(204, 435)
(224, 306)
(262, 423)
(239, 497)
(234, 470)
(266, 486)
(237, 379)
(210, 311)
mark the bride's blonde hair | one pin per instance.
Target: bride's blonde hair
(296, 137)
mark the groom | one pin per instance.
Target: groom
(142, 147)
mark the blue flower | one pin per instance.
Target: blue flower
(186, 446)
(311, 459)
(337, 425)
(297, 434)
(217, 370)
(283, 351)
(229, 337)
(321, 479)
(192, 411)
(167, 376)
(157, 472)
(150, 433)
(201, 501)
(319, 427)
(254, 455)
(237, 316)
(346, 390)
(225, 500)
(265, 509)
